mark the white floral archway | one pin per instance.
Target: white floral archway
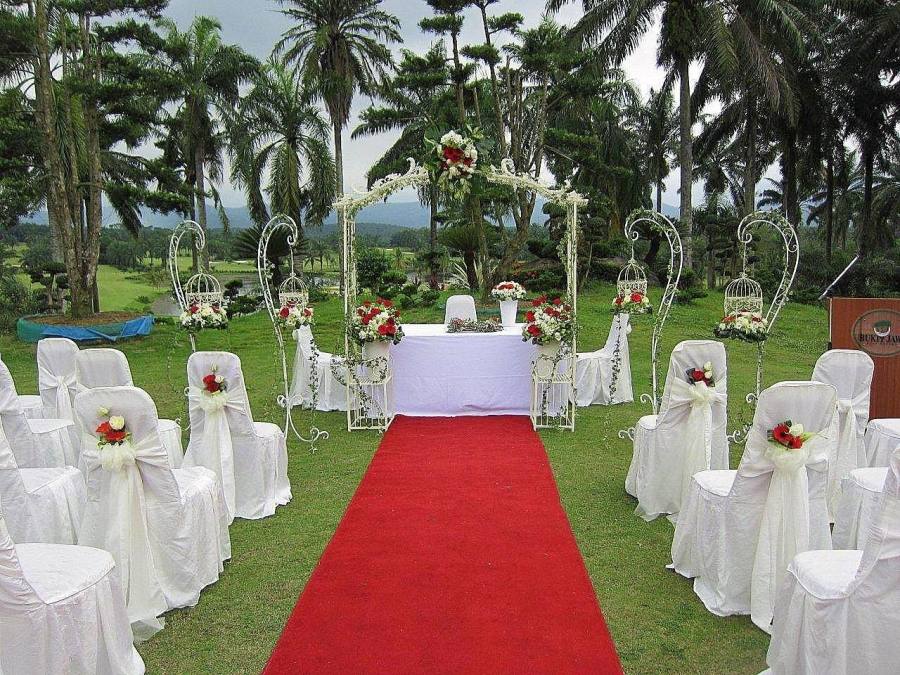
(417, 175)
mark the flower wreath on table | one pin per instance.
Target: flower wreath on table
(548, 321)
(746, 326)
(508, 290)
(468, 326)
(291, 316)
(113, 441)
(377, 321)
(632, 303)
(200, 315)
(454, 160)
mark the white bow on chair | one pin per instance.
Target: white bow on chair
(697, 428)
(62, 384)
(128, 538)
(214, 450)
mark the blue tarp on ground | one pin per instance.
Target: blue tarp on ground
(32, 330)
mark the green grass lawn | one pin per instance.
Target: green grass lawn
(658, 624)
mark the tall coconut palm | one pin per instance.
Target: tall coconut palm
(342, 47)
(206, 76)
(279, 141)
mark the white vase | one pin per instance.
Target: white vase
(508, 309)
(371, 350)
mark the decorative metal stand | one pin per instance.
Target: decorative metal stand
(357, 370)
(293, 287)
(553, 390)
(659, 223)
(370, 396)
(744, 294)
(183, 228)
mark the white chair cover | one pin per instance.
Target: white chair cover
(62, 610)
(859, 506)
(331, 395)
(43, 505)
(32, 406)
(838, 612)
(593, 370)
(460, 307)
(882, 437)
(688, 435)
(250, 459)
(166, 528)
(104, 367)
(56, 376)
(35, 442)
(850, 372)
(738, 530)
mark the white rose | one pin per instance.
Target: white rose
(796, 430)
(102, 412)
(219, 379)
(117, 422)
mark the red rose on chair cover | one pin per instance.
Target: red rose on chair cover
(209, 381)
(697, 375)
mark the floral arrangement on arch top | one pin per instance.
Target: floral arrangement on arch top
(454, 160)
(548, 321)
(377, 321)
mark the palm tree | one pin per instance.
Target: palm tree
(658, 128)
(206, 76)
(280, 147)
(342, 47)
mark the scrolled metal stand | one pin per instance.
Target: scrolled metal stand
(779, 299)
(657, 222)
(262, 269)
(183, 228)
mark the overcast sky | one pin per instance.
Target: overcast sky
(257, 24)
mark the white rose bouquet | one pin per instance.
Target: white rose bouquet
(508, 290)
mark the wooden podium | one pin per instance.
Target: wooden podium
(872, 325)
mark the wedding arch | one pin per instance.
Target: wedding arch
(368, 411)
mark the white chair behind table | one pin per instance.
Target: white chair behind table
(593, 370)
(331, 394)
(688, 435)
(838, 612)
(460, 307)
(738, 530)
(882, 437)
(63, 610)
(249, 458)
(859, 506)
(43, 504)
(104, 367)
(36, 443)
(850, 372)
(166, 528)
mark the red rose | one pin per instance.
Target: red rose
(697, 375)
(795, 443)
(387, 303)
(534, 330)
(365, 321)
(194, 309)
(529, 317)
(619, 300)
(729, 319)
(636, 297)
(116, 436)
(367, 303)
(307, 312)
(390, 321)
(452, 154)
(104, 428)
(209, 381)
(557, 301)
(285, 312)
(781, 434)
(382, 329)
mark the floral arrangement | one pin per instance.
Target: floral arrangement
(508, 290)
(200, 315)
(214, 383)
(704, 375)
(376, 322)
(548, 321)
(747, 326)
(469, 326)
(455, 161)
(632, 303)
(292, 316)
(112, 429)
(114, 442)
(788, 436)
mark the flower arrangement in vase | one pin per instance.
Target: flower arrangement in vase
(377, 321)
(548, 322)
(508, 293)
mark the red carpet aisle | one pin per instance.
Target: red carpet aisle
(454, 556)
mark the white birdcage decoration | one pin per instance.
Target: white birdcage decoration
(293, 291)
(632, 279)
(743, 294)
(203, 288)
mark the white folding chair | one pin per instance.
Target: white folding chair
(35, 442)
(594, 370)
(688, 435)
(62, 610)
(104, 367)
(330, 394)
(850, 372)
(838, 612)
(460, 307)
(859, 506)
(166, 528)
(738, 530)
(249, 458)
(42, 504)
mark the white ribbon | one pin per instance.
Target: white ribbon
(697, 429)
(844, 456)
(784, 528)
(214, 449)
(62, 384)
(121, 528)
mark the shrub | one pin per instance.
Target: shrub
(689, 288)
(243, 304)
(405, 301)
(428, 297)
(15, 300)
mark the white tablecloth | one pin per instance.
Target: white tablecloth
(441, 374)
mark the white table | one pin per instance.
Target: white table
(442, 374)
